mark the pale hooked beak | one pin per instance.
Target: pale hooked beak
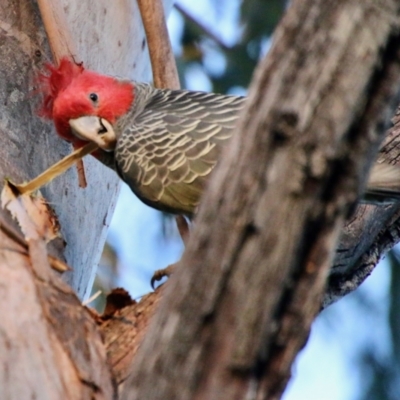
(94, 129)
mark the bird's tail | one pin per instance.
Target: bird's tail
(383, 184)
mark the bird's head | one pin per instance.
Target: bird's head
(83, 104)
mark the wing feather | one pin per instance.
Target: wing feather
(173, 144)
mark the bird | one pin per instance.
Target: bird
(163, 143)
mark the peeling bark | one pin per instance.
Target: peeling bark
(42, 358)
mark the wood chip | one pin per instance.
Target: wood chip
(35, 217)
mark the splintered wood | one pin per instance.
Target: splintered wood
(35, 217)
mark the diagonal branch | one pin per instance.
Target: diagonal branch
(165, 74)
(61, 44)
(208, 32)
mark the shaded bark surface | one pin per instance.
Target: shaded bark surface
(234, 318)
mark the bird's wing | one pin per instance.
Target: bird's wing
(166, 154)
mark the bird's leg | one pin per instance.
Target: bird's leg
(183, 228)
(184, 232)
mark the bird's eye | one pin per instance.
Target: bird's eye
(94, 97)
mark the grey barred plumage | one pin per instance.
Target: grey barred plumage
(163, 143)
(169, 142)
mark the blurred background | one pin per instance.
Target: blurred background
(354, 348)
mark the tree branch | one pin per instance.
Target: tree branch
(123, 333)
(40, 345)
(57, 29)
(165, 74)
(202, 27)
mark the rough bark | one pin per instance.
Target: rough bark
(123, 332)
(234, 318)
(371, 230)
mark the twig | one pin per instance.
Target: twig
(165, 73)
(80, 169)
(55, 170)
(202, 27)
(92, 298)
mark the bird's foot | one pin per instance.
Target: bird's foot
(161, 273)
(184, 232)
(183, 228)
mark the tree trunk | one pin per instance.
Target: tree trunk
(49, 344)
(235, 316)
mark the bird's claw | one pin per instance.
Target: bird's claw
(161, 273)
